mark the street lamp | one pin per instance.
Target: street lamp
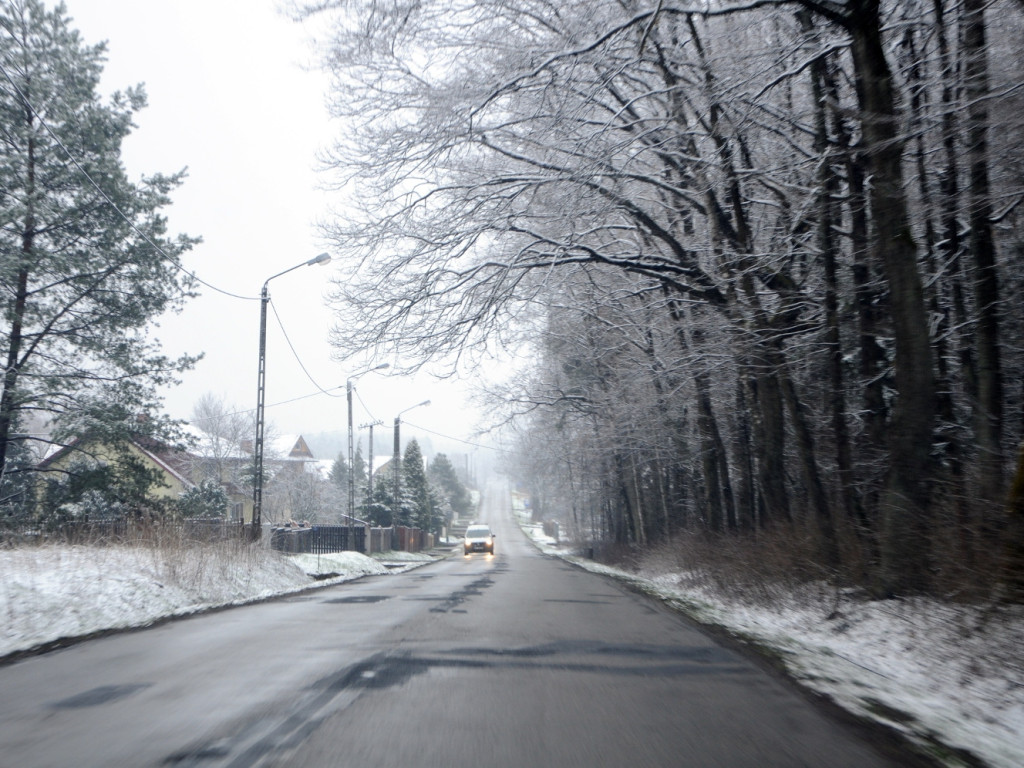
(397, 461)
(261, 382)
(351, 458)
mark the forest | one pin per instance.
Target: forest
(761, 263)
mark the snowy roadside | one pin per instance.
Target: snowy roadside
(950, 678)
(51, 595)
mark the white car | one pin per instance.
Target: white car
(478, 539)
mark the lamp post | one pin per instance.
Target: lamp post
(397, 461)
(351, 458)
(261, 382)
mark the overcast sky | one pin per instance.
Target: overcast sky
(232, 98)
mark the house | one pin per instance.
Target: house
(383, 468)
(171, 465)
(291, 450)
(227, 462)
(295, 484)
(291, 470)
(230, 463)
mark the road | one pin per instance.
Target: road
(512, 660)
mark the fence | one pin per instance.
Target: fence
(315, 539)
(323, 539)
(379, 540)
(318, 539)
(411, 539)
(127, 530)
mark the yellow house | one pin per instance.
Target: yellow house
(172, 465)
(180, 470)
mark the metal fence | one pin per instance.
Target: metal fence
(319, 539)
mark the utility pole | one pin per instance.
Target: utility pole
(261, 393)
(397, 461)
(369, 473)
(351, 457)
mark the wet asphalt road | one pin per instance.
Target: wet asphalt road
(511, 660)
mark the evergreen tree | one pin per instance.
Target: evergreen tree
(93, 488)
(339, 471)
(206, 500)
(443, 475)
(359, 467)
(85, 264)
(417, 494)
(379, 511)
(17, 499)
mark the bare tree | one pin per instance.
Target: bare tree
(732, 233)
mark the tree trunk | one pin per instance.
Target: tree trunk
(10, 381)
(770, 446)
(746, 502)
(828, 191)
(905, 497)
(1013, 562)
(714, 462)
(8, 405)
(988, 416)
(868, 303)
(638, 507)
(708, 428)
(949, 252)
(820, 508)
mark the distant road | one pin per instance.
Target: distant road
(513, 660)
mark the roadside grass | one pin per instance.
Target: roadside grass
(53, 594)
(54, 591)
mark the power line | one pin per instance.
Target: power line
(174, 262)
(365, 408)
(295, 354)
(457, 439)
(271, 405)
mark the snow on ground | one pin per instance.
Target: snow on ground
(50, 593)
(949, 677)
(352, 564)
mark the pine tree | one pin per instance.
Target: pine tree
(416, 488)
(443, 475)
(339, 471)
(85, 265)
(380, 509)
(206, 500)
(359, 467)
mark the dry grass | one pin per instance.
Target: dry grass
(964, 550)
